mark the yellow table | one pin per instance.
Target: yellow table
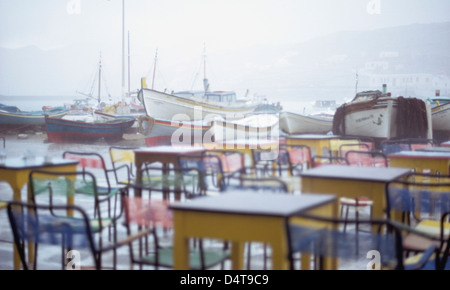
(241, 217)
(16, 172)
(352, 182)
(422, 161)
(319, 144)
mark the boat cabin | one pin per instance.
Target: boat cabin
(216, 96)
(438, 101)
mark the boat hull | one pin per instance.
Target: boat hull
(166, 132)
(441, 117)
(291, 123)
(384, 118)
(255, 127)
(29, 118)
(167, 107)
(61, 130)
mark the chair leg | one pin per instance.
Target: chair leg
(249, 246)
(346, 215)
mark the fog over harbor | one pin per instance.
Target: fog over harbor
(290, 51)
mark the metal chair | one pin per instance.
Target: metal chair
(49, 226)
(80, 189)
(369, 158)
(423, 202)
(324, 239)
(152, 220)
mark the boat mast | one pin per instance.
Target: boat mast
(123, 51)
(205, 80)
(129, 77)
(99, 79)
(154, 69)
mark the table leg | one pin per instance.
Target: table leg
(237, 255)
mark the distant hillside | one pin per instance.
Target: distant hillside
(321, 68)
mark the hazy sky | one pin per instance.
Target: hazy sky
(179, 28)
(220, 23)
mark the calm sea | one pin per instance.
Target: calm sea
(31, 103)
(301, 101)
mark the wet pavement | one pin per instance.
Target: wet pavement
(51, 257)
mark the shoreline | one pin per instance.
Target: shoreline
(36, 137)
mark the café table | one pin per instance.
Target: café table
(422, 161)
(167, 155)
(240, 217)
(320, 144)
(16, 171)
(352, 182)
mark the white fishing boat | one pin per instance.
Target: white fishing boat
(293, 123)
(195, 104)
(253, 127)
(171, 132)
(377, 115)
(440, 114)
(223, 104)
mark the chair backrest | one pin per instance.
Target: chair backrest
(320, 160)
(38, 224)
(418, 195)
(187, 182)
(208, 166)
(254, 179)
(394, 146)
(216, 164)
(232, 161)
(92, 162)
(299, 156)
(65, 188)
(366, 158)
(148, 213)
(122, 160)
(325, 238)
(344, 148)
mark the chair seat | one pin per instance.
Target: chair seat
(76, 224)
(359, 201)
(165, 258)
(432, 227)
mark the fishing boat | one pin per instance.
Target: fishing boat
(64, 130)
(378, 115)
(170, 132)
(253, 127)
(195, 106)
(440, 116)
(13, 116)
(293, 123)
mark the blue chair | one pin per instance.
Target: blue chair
(422, 201)
(325, 239)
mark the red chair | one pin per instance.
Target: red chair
(367, 159)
